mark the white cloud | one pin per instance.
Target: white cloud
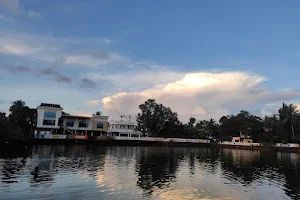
(201, 95)
(50, 49)
(27, 45)
(14, 7)
(33, 14)
(137, 80)
(91, 103)
(11, 47)
(5, 19)
(93, 61)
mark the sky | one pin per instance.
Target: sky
(204, 59)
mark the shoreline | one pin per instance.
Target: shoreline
(29, 142)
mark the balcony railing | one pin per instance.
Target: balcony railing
(122, 130)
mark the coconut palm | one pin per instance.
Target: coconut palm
(288, 115)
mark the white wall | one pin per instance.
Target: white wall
(287, 145)
(40, 117)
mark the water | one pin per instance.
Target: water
(120, 172)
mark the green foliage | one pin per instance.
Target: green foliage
(20, 122)
(289, 116)
(158, 120)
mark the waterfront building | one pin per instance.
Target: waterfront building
(242, 138)
(96, 125)
(124, 128)
(48, 116)
(51, 123)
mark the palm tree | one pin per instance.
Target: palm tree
(288, 115)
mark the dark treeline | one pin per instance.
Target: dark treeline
(160, 121)
(157, 120)
(19, 123)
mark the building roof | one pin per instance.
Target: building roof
(100, 117)
(86, 117)
(76, 116)
(50, 105)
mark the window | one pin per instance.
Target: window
(82, 124)
(50, 114)
(49, 122)
(236, 141)
(70, 123)
(99, 125)
(124, 135)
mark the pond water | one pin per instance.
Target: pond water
(127, 172)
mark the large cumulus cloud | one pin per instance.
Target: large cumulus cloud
(202, 95)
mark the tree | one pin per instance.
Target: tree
(272, 129)
(289, 115)
(157, 120)
(64, 113)
(7, 129)
(207, 128)
(3, 125)
(23, 117)
(192, 121)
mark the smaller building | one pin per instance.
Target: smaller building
(96, 125)
(75, 124)
(243, 139)
(123, 129)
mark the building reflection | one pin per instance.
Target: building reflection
(241, 165)
(60, 158)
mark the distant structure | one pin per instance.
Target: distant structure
(124, 128)
(51, 123)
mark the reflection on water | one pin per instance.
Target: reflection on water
(94, 172)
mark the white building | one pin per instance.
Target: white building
(51, 121)
(123, 128)
(48, 116)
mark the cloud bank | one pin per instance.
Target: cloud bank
(202, 95)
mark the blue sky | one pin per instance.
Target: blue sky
(216, 57)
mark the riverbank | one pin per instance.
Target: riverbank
(30, 142)
(23, 143)
(262, 148)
